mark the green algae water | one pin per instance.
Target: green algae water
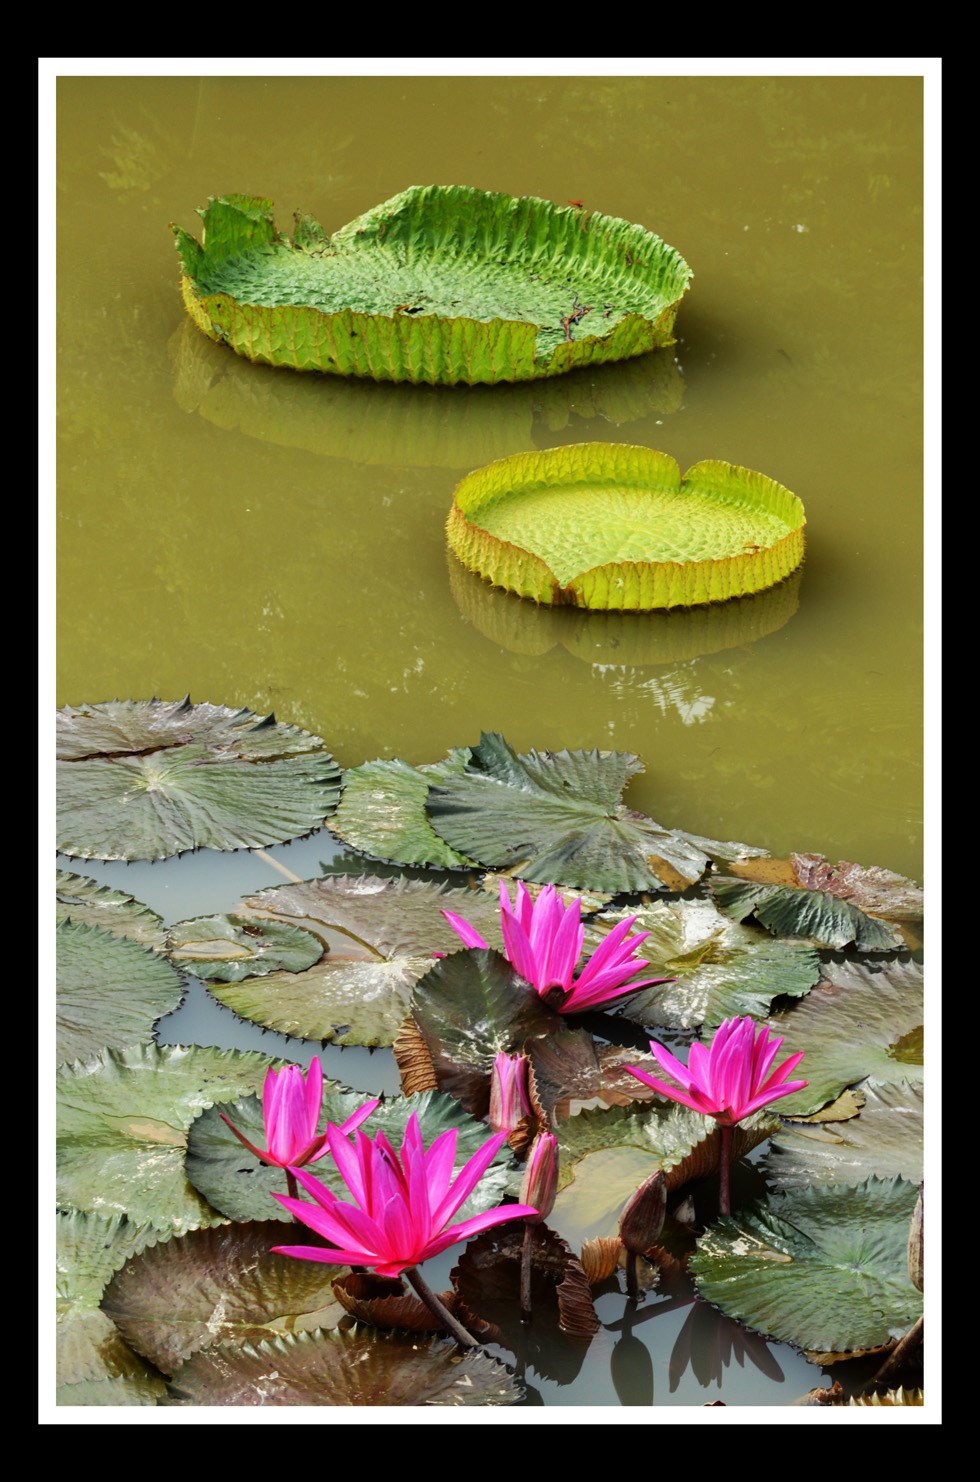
(276, 540)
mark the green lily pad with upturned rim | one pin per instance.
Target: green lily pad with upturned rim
(84, 901)
(145, 779)
(615, 527)
(439, 284)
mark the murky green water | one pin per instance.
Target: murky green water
(260, 538)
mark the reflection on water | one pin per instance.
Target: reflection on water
(458, 427)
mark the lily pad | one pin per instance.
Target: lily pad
(813, 915)
(217, 1286)
(111, 991)
(122, 1129)
(145, 779)
(853, 1027)
(381, 935)
(823, 1268)
(488, 1279)
(88, 1346)
(87, 903)
(611, 526)
(228, 948)
(720, 969)
(231, 1179)
(573, 1072)
(885, 1139)
(122, 1391)
(556, 818)
(382, 812)
(439, 284)
(362, 1367)
(872, 889)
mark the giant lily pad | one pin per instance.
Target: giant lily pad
(382, 937)
(87, 903)
(332, 1367)
(144, 779)
(218, 1286)
(856, 1024)
(718, 969)
(607, 525)
(122, 1129)
(439, 284)
(823, 1268)
(111, 991)
(556, 818)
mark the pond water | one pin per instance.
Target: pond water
(259, 538)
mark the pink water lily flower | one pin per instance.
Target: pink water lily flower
(401, 1202)
(543, 941)
(730, 1079)
(291, 1110)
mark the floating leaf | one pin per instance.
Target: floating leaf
(122, 1128)
(872, 889)
(111, 991)
(88, 1346)
(556, 818)
(439, 284)
(469, 1007)
(144, 779)
(121, 1391)
(218, 1286)
(851, 1027)
(885, 1139)
(812, 914)
(721, 970)
(610, 526)
(382, 936)
(87, 903)
(236, 1183)
(231, 1178)
(572, 1072)
(228, 948)
(823, 1268)
(382, 812)
(340, 1368)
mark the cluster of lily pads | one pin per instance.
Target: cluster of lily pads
(169, 1290)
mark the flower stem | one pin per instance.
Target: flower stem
(416, 1280)
(724, 1171)
(291, 1184)
(632, 1285)
(526, 1274)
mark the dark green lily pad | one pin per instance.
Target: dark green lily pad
(235, 1183)
(611, 527)
(872, 889)
(144, 779)
(111, 991)
(382, 812)
(813, 915)
(85, 902)
(884, 1140)
(469, 1007)
(556, 818)
(823, 1268)
(88, 1346)
(227, 949)
(361, 1367)
(218, 1286)
(439, 284)
(382, 936)
(853, 1027)
(122, 1129)
(721, 969)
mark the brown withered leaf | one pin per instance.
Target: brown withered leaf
(875, 890)
(414, 1062)
(601, 1258)
(765, 871)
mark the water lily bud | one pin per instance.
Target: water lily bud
(915, 1244)
(540, 1182)
(509, 1102)
(642, 1220)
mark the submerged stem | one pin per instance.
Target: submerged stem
(416, 1280)
(526, 1274)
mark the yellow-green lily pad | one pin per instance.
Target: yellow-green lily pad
(610, 526)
